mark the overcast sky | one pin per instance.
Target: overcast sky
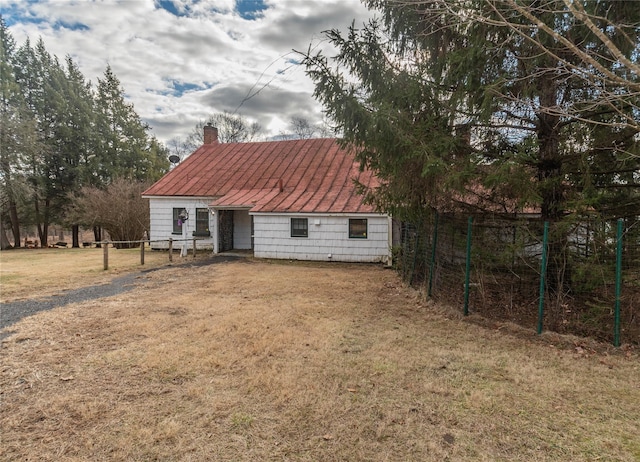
(180, 61)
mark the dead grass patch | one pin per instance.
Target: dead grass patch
(273, 361)
(31, 273)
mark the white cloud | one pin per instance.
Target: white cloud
(207, 45)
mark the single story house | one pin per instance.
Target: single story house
(293, 199)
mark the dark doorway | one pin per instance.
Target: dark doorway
(225, 230)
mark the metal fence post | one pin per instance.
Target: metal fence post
(416, 242)
(405, 252)
(434, 243)
(543, 271)
(616, 322)
(467, 268)
(170, 249)
(142, 252)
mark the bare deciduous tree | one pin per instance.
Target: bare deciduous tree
(232, 128)
(179, 147)
(119, 209)
(300, 128)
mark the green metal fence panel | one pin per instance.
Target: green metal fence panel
(502, 278)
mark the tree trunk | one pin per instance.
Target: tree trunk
(43, 231)
(97, 235)
(549, 161)
(43, 223)
(15, 223)
(550, 188)
(75, 231)
(4, 240)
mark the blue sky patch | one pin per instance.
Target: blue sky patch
(250, 9)
(170, 7)
(70, 26)
(178, 88)
(183, 87)
(13, 14)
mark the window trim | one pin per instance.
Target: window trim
(304, 232)
(352, 222)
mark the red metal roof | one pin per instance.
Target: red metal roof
(298, 176)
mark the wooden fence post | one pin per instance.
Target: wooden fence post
(194, 248)
(170, 249)
(105, 255)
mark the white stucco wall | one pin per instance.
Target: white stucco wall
(162, 221)
(328, 235)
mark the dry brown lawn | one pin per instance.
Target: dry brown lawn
(258, 361)
(29, 273)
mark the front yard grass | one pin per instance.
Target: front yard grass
(37, 273)
(251, 361)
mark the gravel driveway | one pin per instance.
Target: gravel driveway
(12, 312)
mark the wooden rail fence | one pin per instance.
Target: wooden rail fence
(143, 243)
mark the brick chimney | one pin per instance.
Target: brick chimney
(210, 134)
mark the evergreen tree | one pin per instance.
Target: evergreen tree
(17, 140)
(9, 117)
(155, 162)
(124, 148)
(58, 135)
(376, 94)
(493, 102)
(52, 168)
(493, 106)
(75, 137)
